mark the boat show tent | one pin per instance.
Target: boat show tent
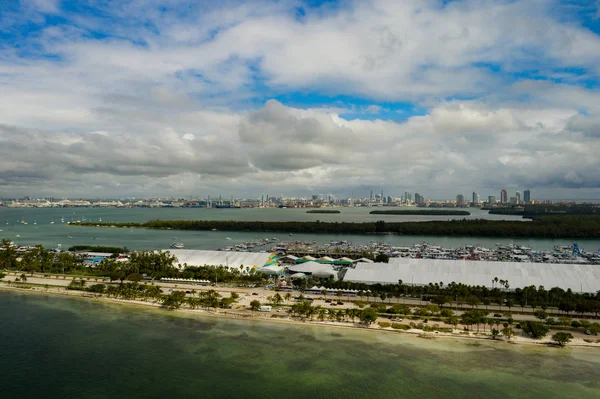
(271, 270)
(232, 259)
(577, 277)
(314, 268)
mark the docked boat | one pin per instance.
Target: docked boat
(177, 245)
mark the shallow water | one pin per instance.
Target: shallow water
(62, 347)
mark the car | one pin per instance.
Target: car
(328, 301)
(188, 292)
(333, 304)
(340, 303)
(397, 319)
(278, 310)
(588, 332)
(255, 293)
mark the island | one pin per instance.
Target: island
(420, 212)
(323, 211)
(572, 226)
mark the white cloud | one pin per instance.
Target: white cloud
(168, 101)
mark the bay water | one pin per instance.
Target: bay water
(73, 348)
(39, 229)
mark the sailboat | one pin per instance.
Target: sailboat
(100, 219)
(35, 222)
(52, 222)
(62, 219)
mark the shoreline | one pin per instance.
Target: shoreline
(255, 316)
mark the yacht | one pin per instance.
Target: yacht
(228, 238)
(177, 245)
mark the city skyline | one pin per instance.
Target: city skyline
(136, 98)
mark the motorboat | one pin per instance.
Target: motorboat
(177, 245)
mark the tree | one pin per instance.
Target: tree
(540, 314)
(472, 300)
(235, 295)
(288, 297)
(174, 300)
(562, 338)
(508, 332)
(494, 333)
(368, 315)
(382, 258)
(8, 255)
(23, 277)
(453, 320)
(535, 329)
(441, 300)
(255, 305)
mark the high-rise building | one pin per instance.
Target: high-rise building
(518, 197)
(460, 199)
(504, 196)
(419, 198)
(527, 196)
(407, 197)
(492, 199)
(475, 198)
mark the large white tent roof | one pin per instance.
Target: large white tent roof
(579, 278)
(313, 268)
(232, 259)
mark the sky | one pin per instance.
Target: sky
(102, 98)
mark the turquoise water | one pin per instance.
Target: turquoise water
(51, 235)
(69, 348)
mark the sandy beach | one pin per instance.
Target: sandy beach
(241, 312)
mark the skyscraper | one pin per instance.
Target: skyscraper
(460, 199)
(518, 197)
(504, 196)
(527, 196)
(492, 199)
(419, 198)
(475, 198)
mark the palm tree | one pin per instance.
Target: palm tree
(288, 297)
(321, 313)
(23, 277)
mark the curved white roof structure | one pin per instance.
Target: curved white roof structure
(232, 259)
(314, 268)
(579, 278)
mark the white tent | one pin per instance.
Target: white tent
(231, 259)
(577, 277)
(271, 270)
(314, 268)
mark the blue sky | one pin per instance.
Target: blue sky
(240, 98)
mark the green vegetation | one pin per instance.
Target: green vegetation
(323, 211)
(536, 210)
(535, 329)
(99, 248)
(546, 226)
(562, 338)
(421, 212)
